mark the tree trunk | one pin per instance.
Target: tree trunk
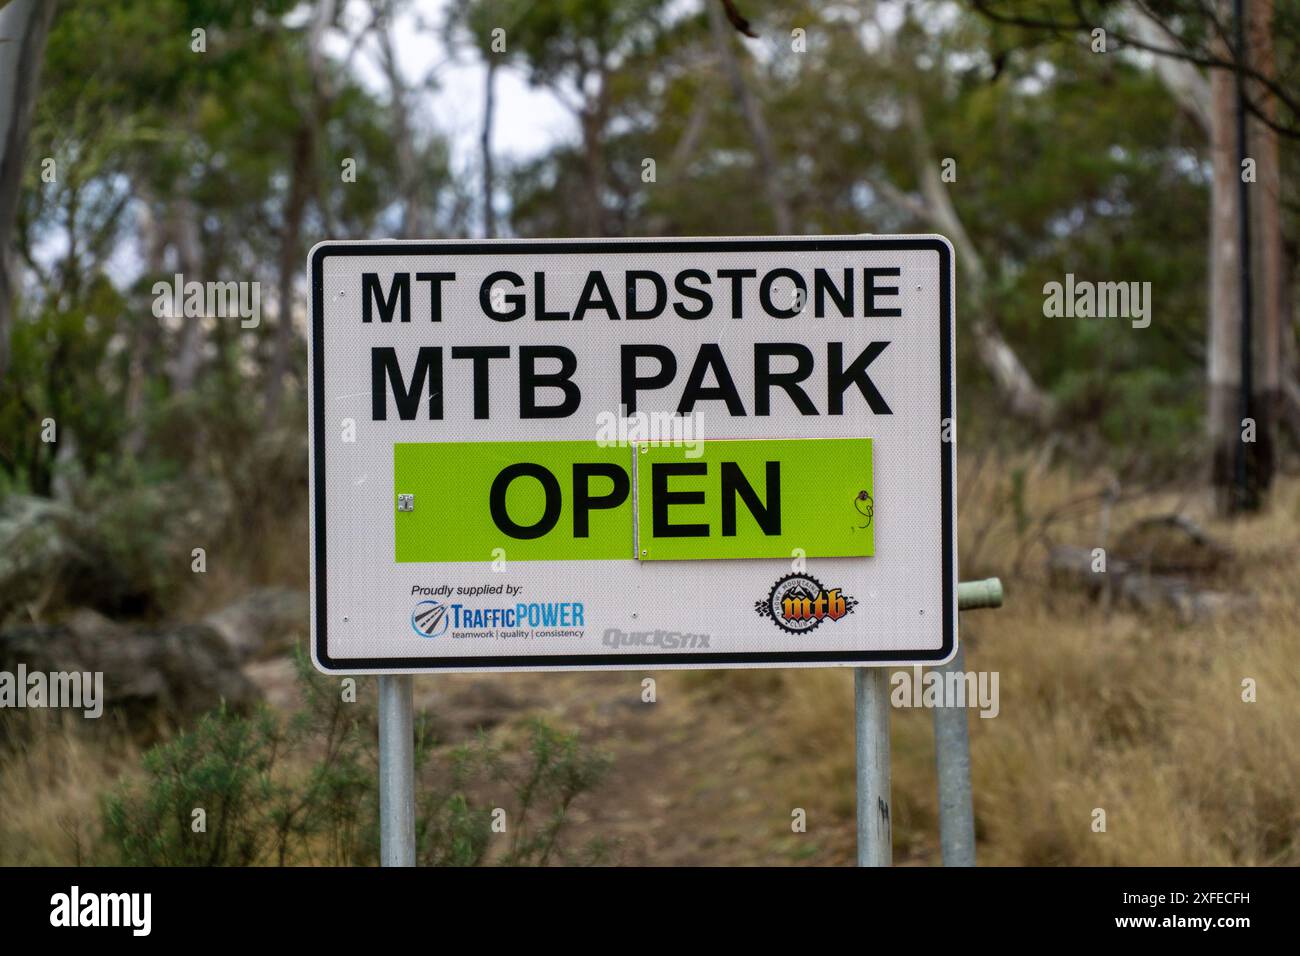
(413, 216)
(153, 243)
(290, 262)
(24, 24)
(1023, 398)
(592, 119)
(1268, 260)
(186, 240)
(1223, 372)
(1242, 464)
(1182, 79)
(485, 145)
(1289, 405)
(753, 113)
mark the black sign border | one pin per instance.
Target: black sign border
(559, 662)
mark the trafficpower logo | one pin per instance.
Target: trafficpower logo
(798, 603)
(429, 619)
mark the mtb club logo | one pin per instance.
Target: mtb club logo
(798, 603)
(429, 619)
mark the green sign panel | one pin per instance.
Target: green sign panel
(536, 501)
(755, 499)
(573, 500)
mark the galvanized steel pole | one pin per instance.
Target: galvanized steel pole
(952, 744)
(396, 771)
(871, 712)
(952, 754)
(952, 759)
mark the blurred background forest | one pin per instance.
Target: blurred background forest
(220, 139)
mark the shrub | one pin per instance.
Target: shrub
(305, 791)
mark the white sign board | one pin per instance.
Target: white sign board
(632, 454)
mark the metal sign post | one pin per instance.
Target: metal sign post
(952, 760)
(396, 771)
(952, 754)
(871, 713)
(952, 744)
(520, 449)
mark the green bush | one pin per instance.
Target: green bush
(304, 791)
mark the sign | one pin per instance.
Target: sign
(632, 454)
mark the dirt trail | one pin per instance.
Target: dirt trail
(696, 777)
(691, 780)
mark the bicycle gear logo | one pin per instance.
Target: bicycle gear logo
(798, 603)
(429, 619)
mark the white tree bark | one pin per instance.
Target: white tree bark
(1023, 397)
(24, 26)
(1184, 81)
(302, 179)
(485, 146)
(1223, 352)
(1267, 280)
(414, 219)
(187, 242)
(1268, 259)
(752, 110)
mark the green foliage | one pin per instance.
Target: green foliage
(221, 768)
(54, 374)
(567, 40)
(121, 545)
(545, 781)
(1067, 161)
(136, 530)
(304, 791)
(1149, 414)
(148, 138)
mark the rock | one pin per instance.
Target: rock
(53, 556)
(1073, 565)
(1163, 562)
(153, 674)
(1189, 601)
(277, 680)
(1170, 544)
(263, 624)
(36, 549)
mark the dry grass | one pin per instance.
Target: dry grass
(1146, 721)
(1139, 715)
(51, 775)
